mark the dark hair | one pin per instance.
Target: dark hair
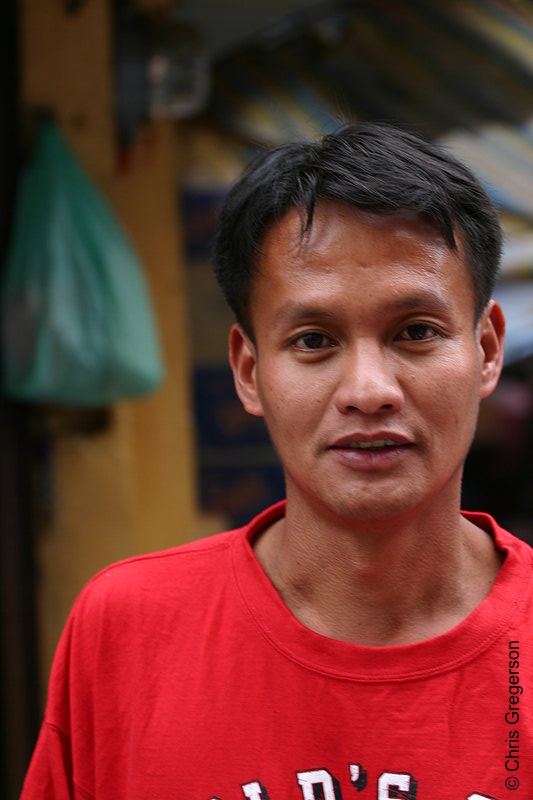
(377, 168)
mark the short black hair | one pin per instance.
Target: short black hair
(374, 167)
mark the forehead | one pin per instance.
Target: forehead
(350, 249)
(292, 235)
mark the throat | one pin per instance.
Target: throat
(392, 593)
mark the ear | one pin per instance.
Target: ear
(243, 360)
(491, 333)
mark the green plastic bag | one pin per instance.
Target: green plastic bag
(77, 324)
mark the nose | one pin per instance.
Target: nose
(369, 382)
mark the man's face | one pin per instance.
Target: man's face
(367, 364)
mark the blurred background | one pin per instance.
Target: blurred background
(160, 105)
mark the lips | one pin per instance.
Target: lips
(365, 441)
(378, 444)
(371, 452)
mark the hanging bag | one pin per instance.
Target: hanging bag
(77, 324)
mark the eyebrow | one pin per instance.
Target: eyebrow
(294, 310)
(432, 300)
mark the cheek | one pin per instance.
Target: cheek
(291, 403)
(456, 397)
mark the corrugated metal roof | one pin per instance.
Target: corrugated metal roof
(461, 72)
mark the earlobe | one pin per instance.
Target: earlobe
(243, 358)
(491, 339)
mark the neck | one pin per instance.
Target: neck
(379, 583)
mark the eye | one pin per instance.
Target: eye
(313, 340)
(419, 332)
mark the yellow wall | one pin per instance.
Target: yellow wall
(131, 488)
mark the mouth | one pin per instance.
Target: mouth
(377, 441)
(377, 444)
(380, 451)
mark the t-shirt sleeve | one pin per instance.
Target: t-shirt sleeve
(101, 675)
(49, 776)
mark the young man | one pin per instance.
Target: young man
(364, 638)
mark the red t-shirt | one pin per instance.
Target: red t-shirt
(183, 676)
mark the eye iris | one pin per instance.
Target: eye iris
(417, 332)
(313, 340)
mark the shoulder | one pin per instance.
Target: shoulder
(174, 574)
(134, 605)
(153, 579)
(180, 581)
(512, 591)
(504, 540)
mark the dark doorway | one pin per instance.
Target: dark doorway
(19, 707)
